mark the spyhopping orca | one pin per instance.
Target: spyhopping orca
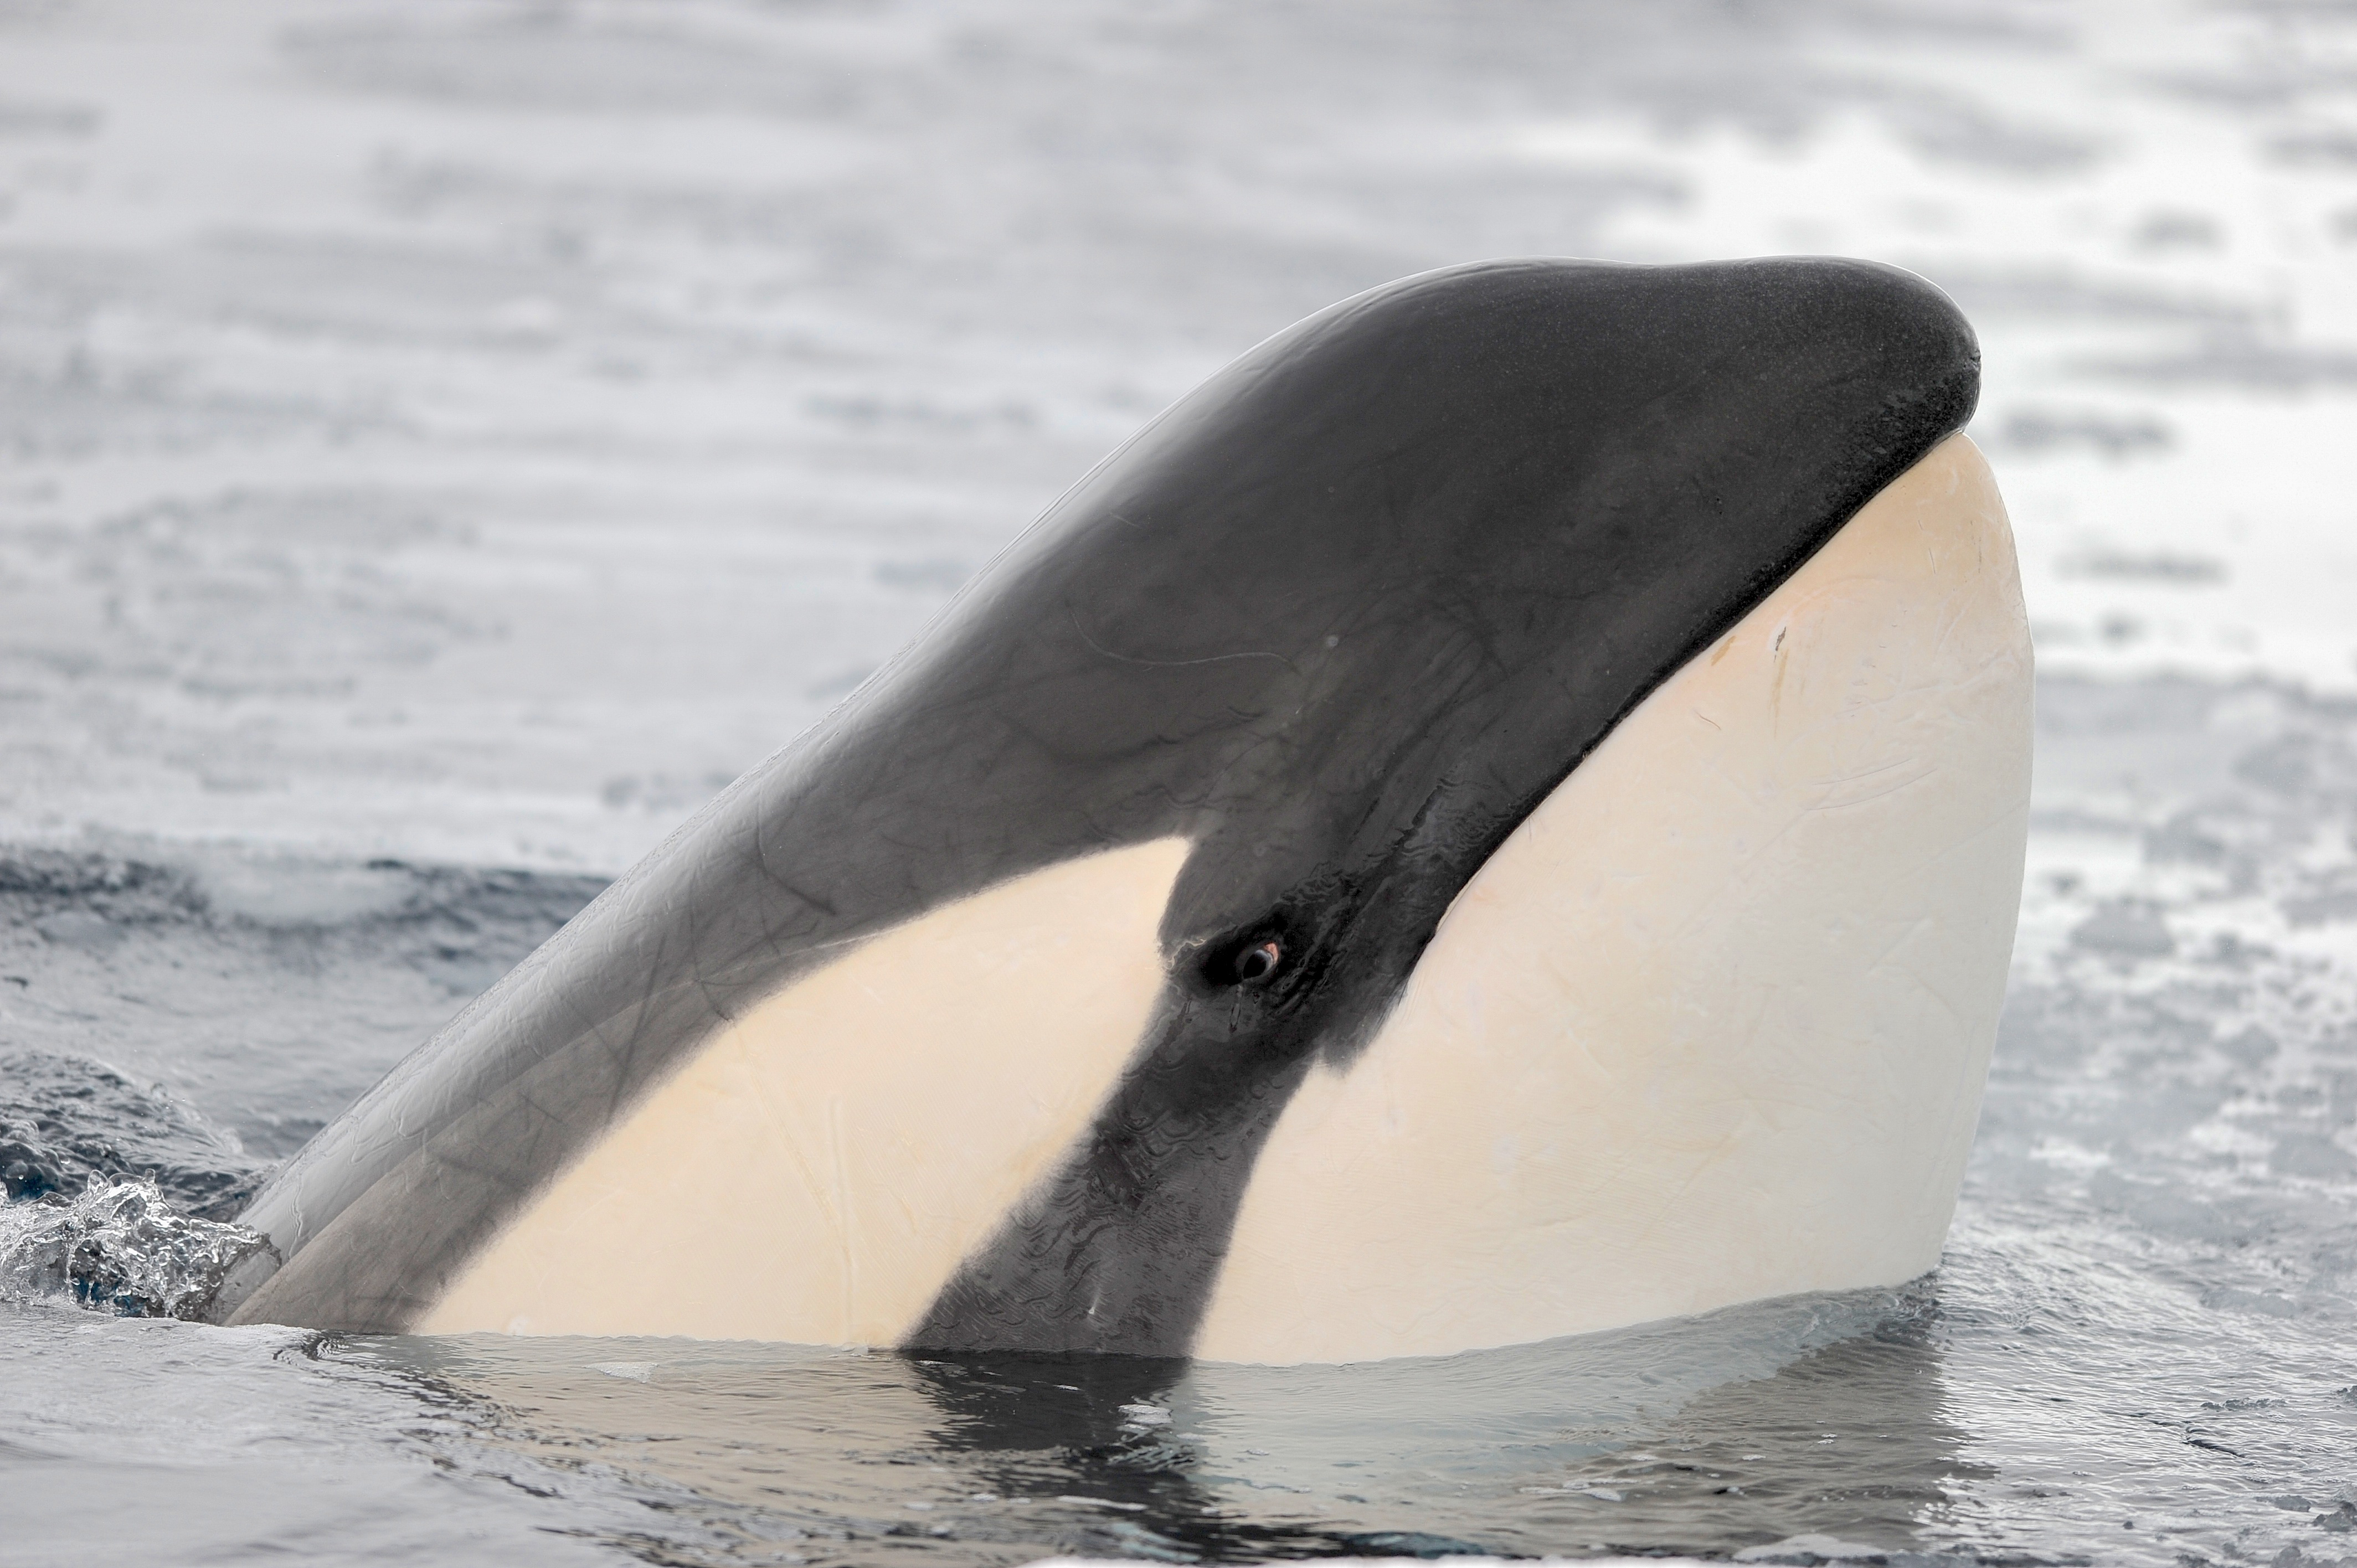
(1500, 814)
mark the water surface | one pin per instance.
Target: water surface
(440, 444)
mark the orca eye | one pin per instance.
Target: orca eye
(1258, 962)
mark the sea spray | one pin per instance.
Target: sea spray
(121, 1247)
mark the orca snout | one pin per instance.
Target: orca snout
(1711, 1023)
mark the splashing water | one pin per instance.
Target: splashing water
(121, 1248)
(116, 1195)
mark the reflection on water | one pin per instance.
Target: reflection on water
(1814, 1417)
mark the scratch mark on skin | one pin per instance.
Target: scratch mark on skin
(630, 1045)
(1073, 616)
(1888, 789)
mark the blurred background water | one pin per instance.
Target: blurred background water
(440, 445)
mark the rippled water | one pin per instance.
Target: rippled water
(440, 444)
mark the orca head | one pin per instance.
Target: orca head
(1499, 814)
(1360, 604)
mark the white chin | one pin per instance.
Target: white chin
(1712, 1024)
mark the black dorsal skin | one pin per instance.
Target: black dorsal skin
(1341, 617)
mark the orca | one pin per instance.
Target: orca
(1499, 815)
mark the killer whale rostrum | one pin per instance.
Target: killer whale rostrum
(1500, 814)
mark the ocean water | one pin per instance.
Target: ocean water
(441, 444)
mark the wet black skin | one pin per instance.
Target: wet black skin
(1341, 617)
